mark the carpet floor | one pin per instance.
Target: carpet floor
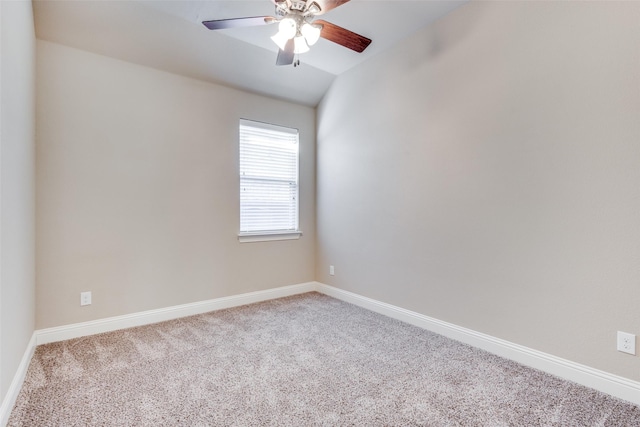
(296, 361)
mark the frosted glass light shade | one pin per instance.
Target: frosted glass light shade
(311, 33)
(300, 45)
(287, 27)
(280, 40)
(286, 31)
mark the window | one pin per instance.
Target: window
(268, 182)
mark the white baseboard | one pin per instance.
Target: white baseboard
(76, 330)
(16, 384)
(614, 385)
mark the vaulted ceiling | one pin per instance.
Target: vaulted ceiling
(169, 35)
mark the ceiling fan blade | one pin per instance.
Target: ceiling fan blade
(285, 57)
(327, 5)
(221, 24)
(342, 36)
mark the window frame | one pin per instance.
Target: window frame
(274, 234)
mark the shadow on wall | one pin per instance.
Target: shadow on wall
(444, 38)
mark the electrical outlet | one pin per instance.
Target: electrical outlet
(85, 298)
(332, 270)
(626, 343)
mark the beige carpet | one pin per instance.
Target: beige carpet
(297, 361)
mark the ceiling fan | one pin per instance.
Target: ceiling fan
(297, 29)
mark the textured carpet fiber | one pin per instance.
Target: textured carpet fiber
(302, 360)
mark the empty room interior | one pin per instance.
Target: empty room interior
(463, 244)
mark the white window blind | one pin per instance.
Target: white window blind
(268, 178)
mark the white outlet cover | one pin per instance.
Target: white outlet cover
(85, 298)
(626, 343)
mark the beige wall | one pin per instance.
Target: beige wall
(487, 173)
(17, 183)
(137, 189)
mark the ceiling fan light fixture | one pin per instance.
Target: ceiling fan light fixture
(280, 40)
(311, 33)
(288, 28)
(301, 45)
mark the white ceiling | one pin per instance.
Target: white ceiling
(169, 35)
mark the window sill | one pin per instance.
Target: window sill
(268, 237)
